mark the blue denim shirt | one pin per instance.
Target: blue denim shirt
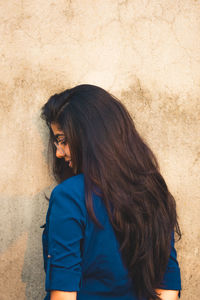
(79, 256)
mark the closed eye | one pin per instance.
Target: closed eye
(60, 138)
(63, 142)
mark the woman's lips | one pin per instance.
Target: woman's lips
(69, 162)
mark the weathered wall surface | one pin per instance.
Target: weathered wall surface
(145, 52)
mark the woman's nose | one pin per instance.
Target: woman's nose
(59, 153)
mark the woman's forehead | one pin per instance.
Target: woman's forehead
(56, 129)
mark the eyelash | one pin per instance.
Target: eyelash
(62, 141)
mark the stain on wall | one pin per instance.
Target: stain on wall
(147, 53)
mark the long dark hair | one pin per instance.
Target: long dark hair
(106, 147)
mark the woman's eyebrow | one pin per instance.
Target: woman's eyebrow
(59, 135)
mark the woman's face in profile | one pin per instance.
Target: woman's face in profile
(62, 150)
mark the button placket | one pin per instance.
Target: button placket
(46, 254)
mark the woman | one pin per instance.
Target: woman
(109, 231)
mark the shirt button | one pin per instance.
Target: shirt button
(49, 255)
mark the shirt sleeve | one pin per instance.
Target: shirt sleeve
(66, 231)
(172, 276)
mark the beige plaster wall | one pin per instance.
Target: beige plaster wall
(145, 52)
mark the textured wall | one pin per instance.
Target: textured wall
(145, 52)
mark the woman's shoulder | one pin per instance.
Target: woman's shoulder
(74, 184)
(69, 191)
